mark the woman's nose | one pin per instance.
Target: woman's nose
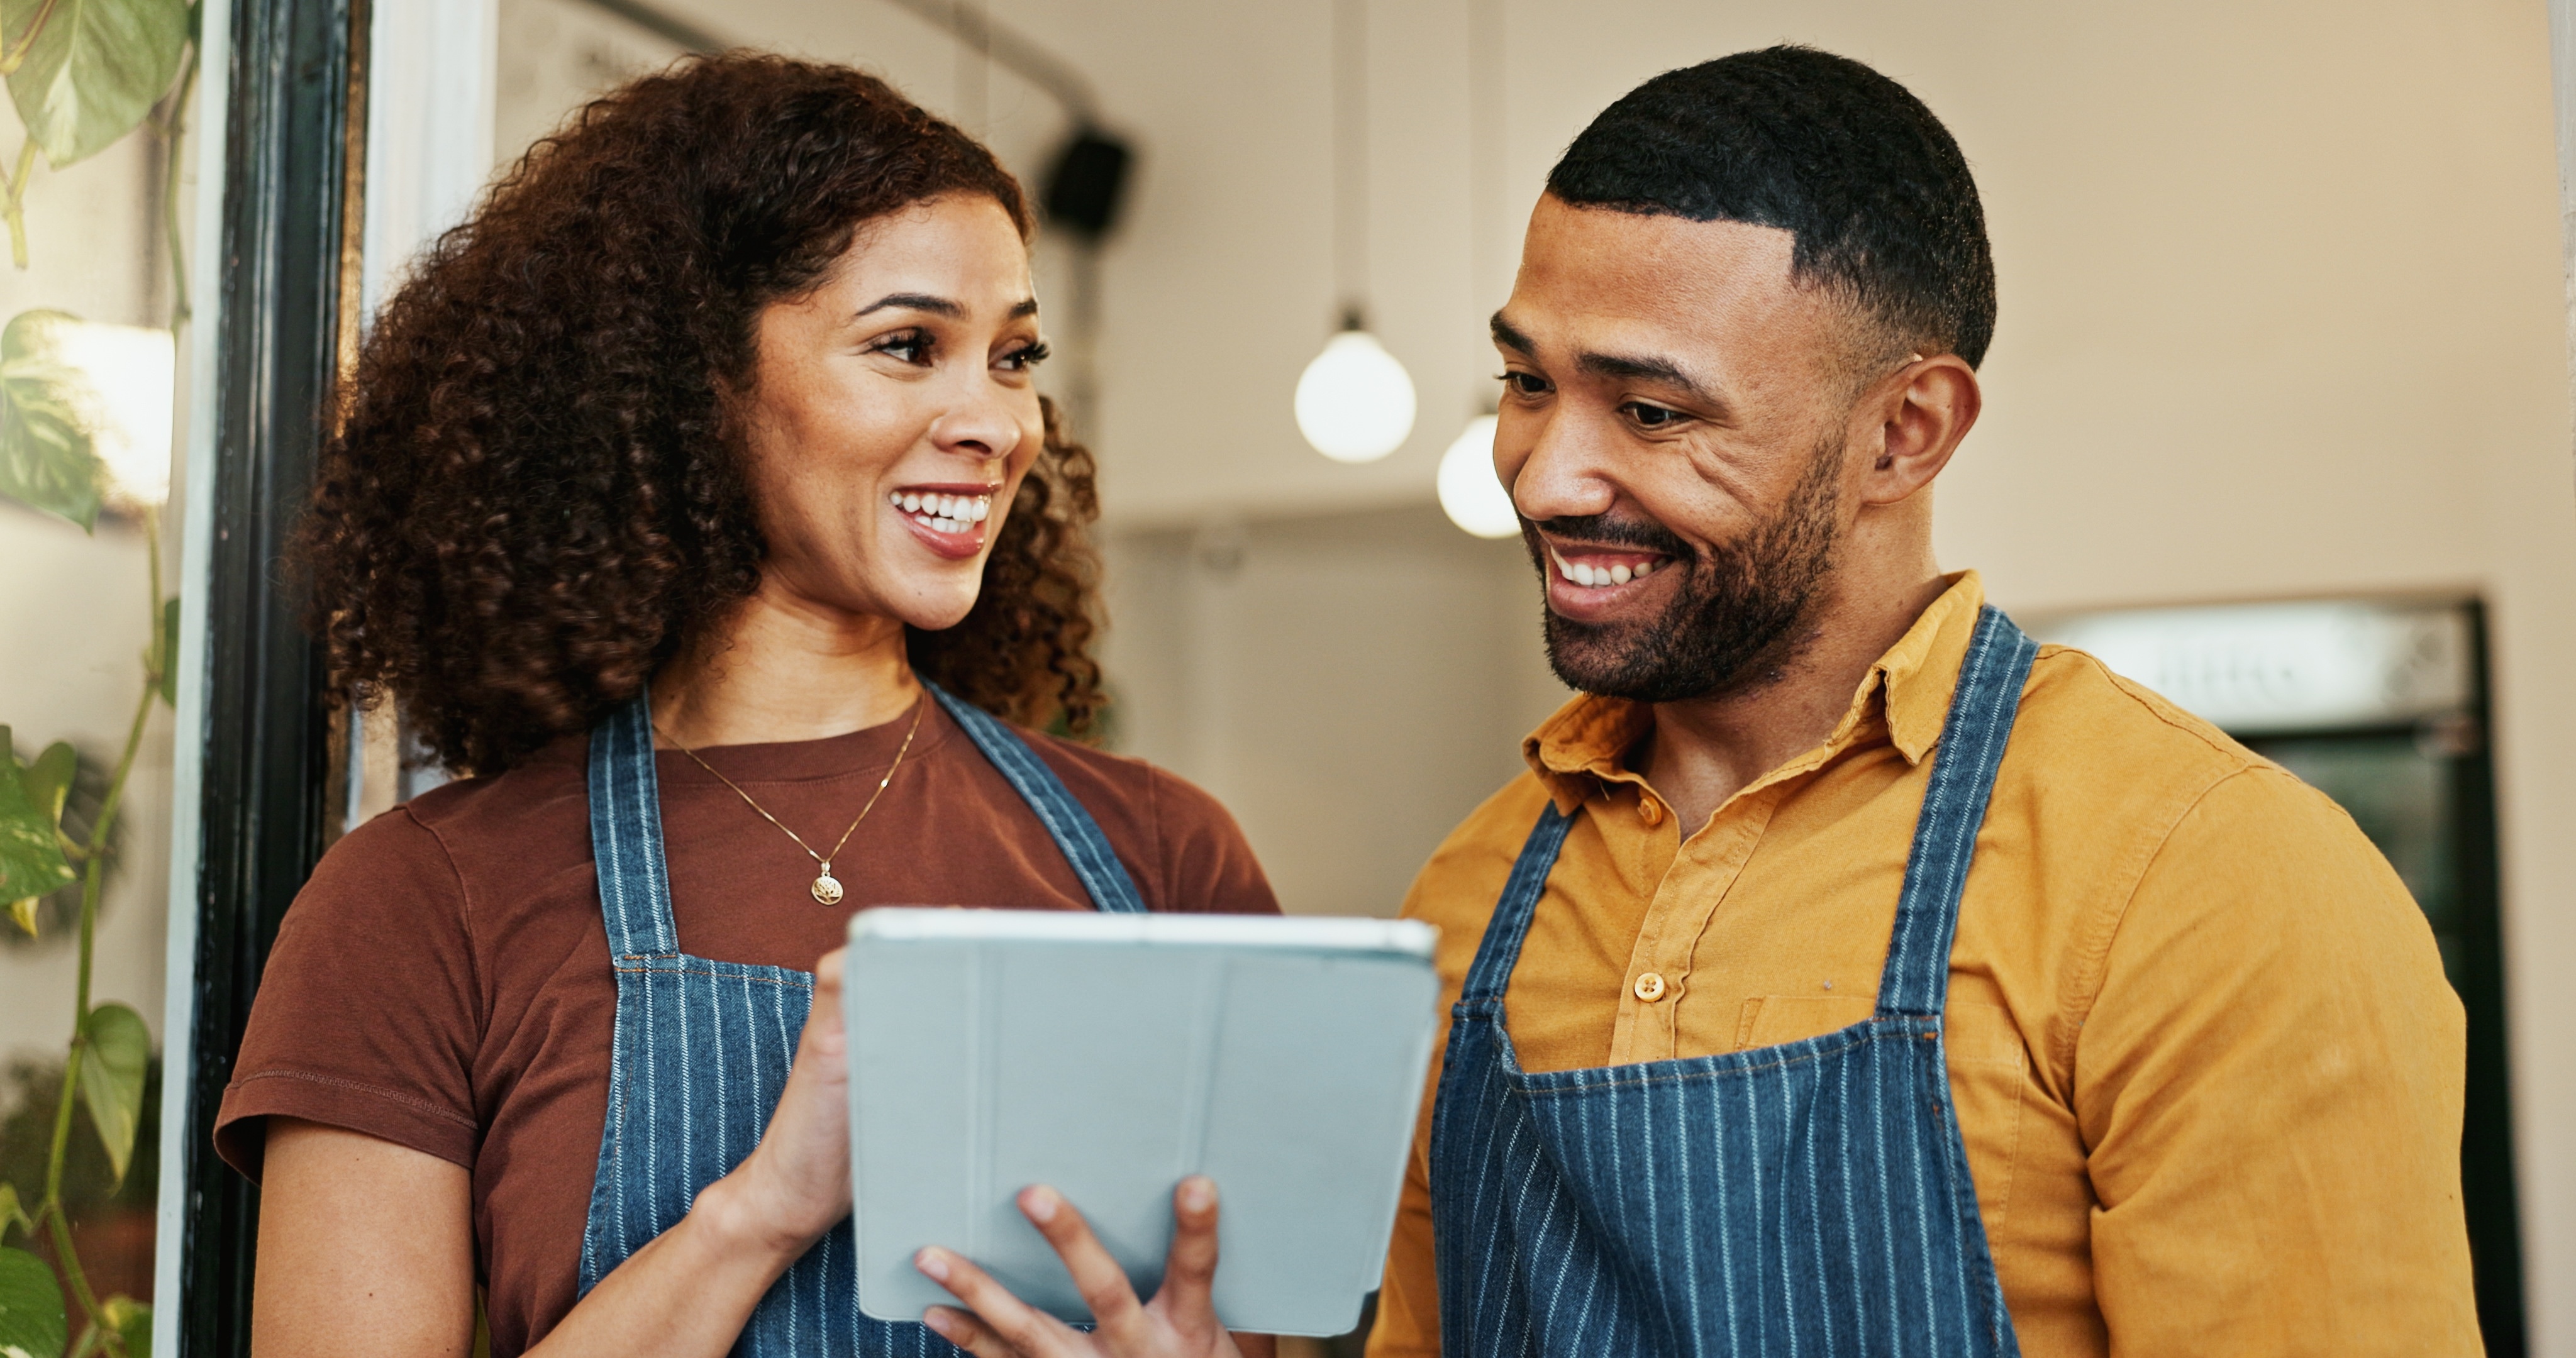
(983, 428)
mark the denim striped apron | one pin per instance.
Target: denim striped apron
(1805, 1199)
(703, 1047)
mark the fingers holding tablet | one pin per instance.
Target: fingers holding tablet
(1180, 1322)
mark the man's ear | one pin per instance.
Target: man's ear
(1922, 411)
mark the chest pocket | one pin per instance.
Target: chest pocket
(1988, 1068)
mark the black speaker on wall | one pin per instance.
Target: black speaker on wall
(1085, 185)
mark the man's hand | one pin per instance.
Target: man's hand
(1180, 1322)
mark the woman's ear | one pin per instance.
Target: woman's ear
(1921, 413)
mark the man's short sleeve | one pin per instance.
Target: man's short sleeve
(368, 1016)
(2269, 1078)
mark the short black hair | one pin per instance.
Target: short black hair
(1848, 161)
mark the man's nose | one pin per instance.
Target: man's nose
(1560, 477)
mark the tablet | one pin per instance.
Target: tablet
(1113, 1055)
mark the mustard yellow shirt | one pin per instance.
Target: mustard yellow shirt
(2205, 1061)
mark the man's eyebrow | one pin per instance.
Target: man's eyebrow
(1634, 368)
(1627, 367)
(920, 301)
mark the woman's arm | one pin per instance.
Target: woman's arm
(365, 1248)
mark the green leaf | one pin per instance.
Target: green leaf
(164, 662)
(48, 460)
(132, 1321)
(13, 1213)
(49, 780)
(31, 852)
(31, 1307)
(95, 71)
(111, 1078)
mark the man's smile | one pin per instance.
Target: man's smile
(1593, 582)
(1599, 567)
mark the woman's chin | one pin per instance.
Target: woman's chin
(935, 609)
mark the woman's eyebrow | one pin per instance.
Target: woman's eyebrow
(937, 306)
(914, 301)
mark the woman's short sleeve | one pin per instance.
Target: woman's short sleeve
(1207, 863)
(368, 1016)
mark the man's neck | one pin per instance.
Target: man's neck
(1705, 750)
(785, 668)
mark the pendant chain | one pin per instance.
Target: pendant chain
(826, 889)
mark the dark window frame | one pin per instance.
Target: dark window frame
(294, 153)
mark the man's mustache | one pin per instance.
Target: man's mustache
(1622, 532)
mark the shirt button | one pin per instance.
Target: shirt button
(1650, 811)
(1650, 986)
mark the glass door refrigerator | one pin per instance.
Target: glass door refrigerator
(2381, 704)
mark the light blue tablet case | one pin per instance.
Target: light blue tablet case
(1112, 1055)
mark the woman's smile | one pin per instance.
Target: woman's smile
(948, 518)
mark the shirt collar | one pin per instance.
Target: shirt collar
(1581, 747)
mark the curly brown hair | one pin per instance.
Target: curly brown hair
(533, 500)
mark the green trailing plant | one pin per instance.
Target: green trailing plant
(111, 1049)
(83, 74)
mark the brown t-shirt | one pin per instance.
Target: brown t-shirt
(443, 981)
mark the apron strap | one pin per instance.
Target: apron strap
(1075, 832)
(626, 834)
(1917, 980)
(1501, 948)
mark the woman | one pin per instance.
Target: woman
(697, 500)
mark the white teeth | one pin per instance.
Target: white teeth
(1599, 577)
(943, 513)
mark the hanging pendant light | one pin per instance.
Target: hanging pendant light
(1354, 401)
(1469, 493)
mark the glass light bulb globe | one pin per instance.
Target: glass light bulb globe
(1355, 403)
(121, 381)
(1469, 492)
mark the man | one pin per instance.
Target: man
(2190, 1080)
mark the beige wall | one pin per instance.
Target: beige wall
(74, 615)
(1349, 685)
(2281, 315)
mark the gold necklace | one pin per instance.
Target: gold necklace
(826, 888)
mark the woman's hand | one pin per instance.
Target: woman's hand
(1180, 1322)
(689, 1290)
(795, 1184)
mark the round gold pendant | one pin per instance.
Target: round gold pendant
(827, 888)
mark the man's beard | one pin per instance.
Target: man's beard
(1734, 619)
